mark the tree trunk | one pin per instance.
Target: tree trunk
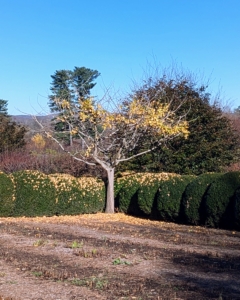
(70, 139)
(110, 191)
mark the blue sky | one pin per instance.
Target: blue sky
(118, 38)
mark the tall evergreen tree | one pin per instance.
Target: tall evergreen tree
(69, 86)
(83, 81)
(3, 107)
(61, 88)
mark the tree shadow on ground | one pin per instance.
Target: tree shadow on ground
(217, 275)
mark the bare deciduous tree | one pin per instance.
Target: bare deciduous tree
(107, 134)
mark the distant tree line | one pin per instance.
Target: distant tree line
(11, 133)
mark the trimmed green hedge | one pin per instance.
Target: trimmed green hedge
(78, 195)
(7, 197)
(169, 197)
(218, 201)
(130, 185)
(126, 194)
(237, 209)
(193, 195)
(148, 190)
(35, 194)
(210, 199)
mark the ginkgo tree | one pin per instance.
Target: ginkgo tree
(109, 135)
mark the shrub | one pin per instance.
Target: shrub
(148, 190)
(169, 197)
(237, 209)
(78, 195)
(218, 201)
(127, 188)
(126, 193)
(7, 197)
(11, 133)
(35, 194)
(47, 161)
(119, 182)
(193, 196)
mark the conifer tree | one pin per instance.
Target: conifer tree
(11, 134)
(69, 86)
(3, 107)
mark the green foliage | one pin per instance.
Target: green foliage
(169, 197)
(193, 195)
(11, 134)
(119, 261)
(237, 209)
(218, 201)
(35, 194)
(138, 194)
(83, 81)
(7, 197)
(77, 196)
(212, 142)
(148, 190)
(61, 88)
(126, 196)
(69, 86)
(3, 107)
(118, 183)
(38, 194)
(76, 244)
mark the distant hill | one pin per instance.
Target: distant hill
(29, 122)
(27, 119)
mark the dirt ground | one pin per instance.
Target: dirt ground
(104, 256)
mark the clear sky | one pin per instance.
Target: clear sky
(117, 38)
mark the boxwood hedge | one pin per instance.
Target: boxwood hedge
(148, 189)
(219, 198)
(7, 195)
(35, 194)
(193, 195)
(237, 209)
(78, 195)
(169, 197)
(126, 194)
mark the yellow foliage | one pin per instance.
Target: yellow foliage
(39, 141)
(90, 112)
(153, 115)
(145, 178)
(65, 104)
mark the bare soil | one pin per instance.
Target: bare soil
(104, 256)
